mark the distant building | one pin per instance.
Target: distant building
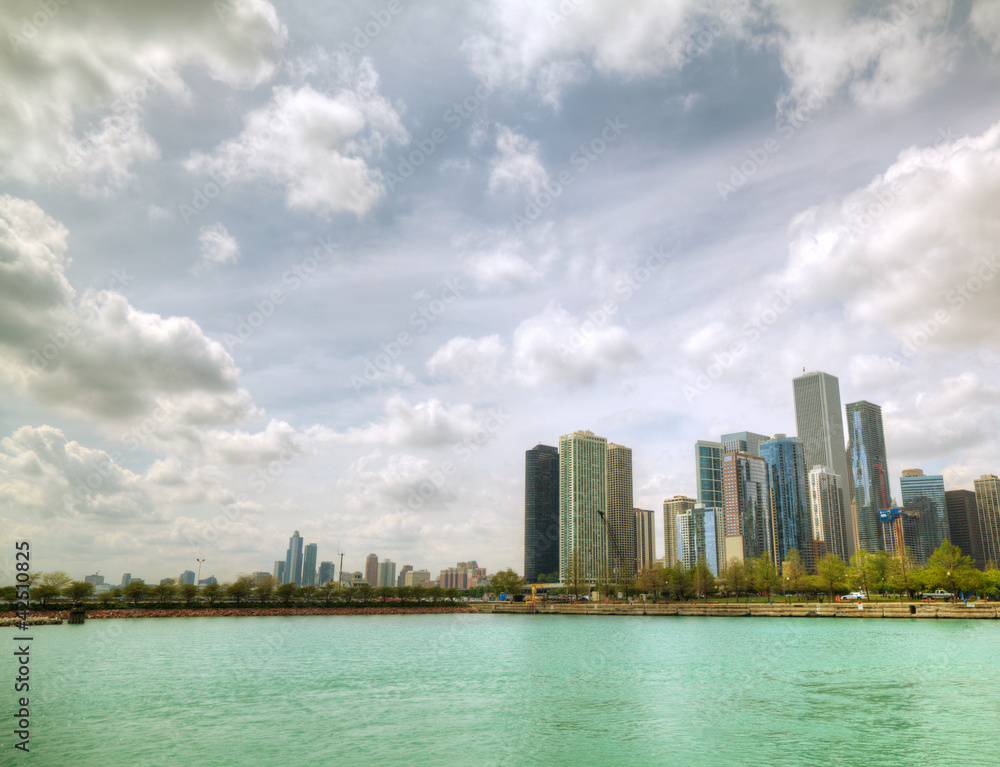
(371, 570)
(696, 538)
(925, 493)
(386, 573)
(869, 471)
(672, 507)
(96, 580)
(988, 510)
(205, 581)
(464, 575)
(416, 577)
(743, 442)
(582, 499)
(819, 423)
(166, 581)
(309, 565)
(825, 499)
(354, 579)
(187, 578)
(401, 577)
(620, 513)
(900, 530)
(790, 523)
(645, 538)
(963, 524)
(258, 577)
(326, 573)
(279, 572)
(293, 560)
(746, 506)
(541, 512)
(126, 579)
(708, 473)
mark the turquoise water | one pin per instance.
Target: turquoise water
(509, 690)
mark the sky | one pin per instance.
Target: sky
(334, 267)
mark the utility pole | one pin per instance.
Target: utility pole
(198, 581)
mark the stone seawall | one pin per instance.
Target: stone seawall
(979, 610)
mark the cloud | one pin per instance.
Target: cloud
(314, 146)
(470, 360)
(425, 424)
(76, 76)
(516, 167)
(915, 251)
(95, 354)
(218, 246)
(501, 271)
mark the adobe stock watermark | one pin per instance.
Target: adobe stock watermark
(430, 487)
(708, 32)
(958, 297)
(599, 316)
(33, 25)
(758, 156)
(291, 280)
(62, 337)
(385, 359)
(750, 333)
(582, 159)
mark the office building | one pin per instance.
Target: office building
(257, 577)
(672, 507)
(371, 570)
(743, 442)
(826, 511)
(708, 473)
(401, 578)
(96, 580)
(620, 512)
(126, 579)
(582, 499)
(279, 572)
(187, 578)
(925, 493)
(386, 573)
(900, 530)
(309, 565)
(293, 560)
(988, 510)
(869, 471)
(963, 524)
(645, 538)
(746, 506)
(541, 512)
(790, 523)
(819, 423)
(696, 538)
(417, 577)
(204, 581)
(327, 573)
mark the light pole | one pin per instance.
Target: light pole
(198, 579)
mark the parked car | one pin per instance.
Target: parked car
(938, 594)
(855, 595)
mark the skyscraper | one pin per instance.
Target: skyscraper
(925, 493)
(900, 530)
(293, 560)
(279, 572)
(963, 524)
(869, 471)
(826, 500)
(582, 499)
(620, 511)
(371, 570)
(988, 508)
(746, 505)
(645, 538)
(790, 523)
(820, 426)
(386, 573)
(672, 507)
(187, 578)
(696, 538)
(743, 442)
(401, 577)
(708, 473)
(309, 566)
(541, 512)
(326, 573)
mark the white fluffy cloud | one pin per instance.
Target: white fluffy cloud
(76, 76)
(314, 146)
(516, 167)
(218, 246)
(96, 354)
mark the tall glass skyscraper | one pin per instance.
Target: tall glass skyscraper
(708, 473)
(963, 524)
(582, 499)
(743, 442)
(925, 493)
(826, 500)
(790, 523)
(696, 538)
(621, 513)
(309, 565)
(869, 471)
(672, 507)
(747, 505)
(820, 426)
(988, 509)
(645, 538)
(293, 560)
(541, 512)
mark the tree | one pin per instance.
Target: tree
(188, 592)
(764, 575)
(264, 590)
(547, 578)
(507, 582)
(651, 581)
(330, 591)
(305, 593)
(79, 591)
(164, 591)
(793, 570)
(212, 591)
(136, 591)
(285, 593)
(385, 593)
(575, 580)
(674, 580)
(831, 571)
(240, 590)
(702, 581)
(43, 592)
(405, 593)
(901, 576)
(452, 594)
(880, 569)
(106, 598)
(950, 570)
(364, 592)
(8, 593)
(436, 593)
(56, 578)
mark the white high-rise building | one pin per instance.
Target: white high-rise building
(820, 425)
(672, 507)
(645, 538)
(386, 573)
(826, 500)
(582, 499)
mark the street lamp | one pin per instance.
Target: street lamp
(198, 581)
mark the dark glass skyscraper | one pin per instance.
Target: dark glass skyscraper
(963, 524)
(925, 493)
(786, 473)
(869, 471)
(541, 512)
(293, 560)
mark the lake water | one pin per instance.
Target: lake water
(509, 690)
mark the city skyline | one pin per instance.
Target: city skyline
(275, 266)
